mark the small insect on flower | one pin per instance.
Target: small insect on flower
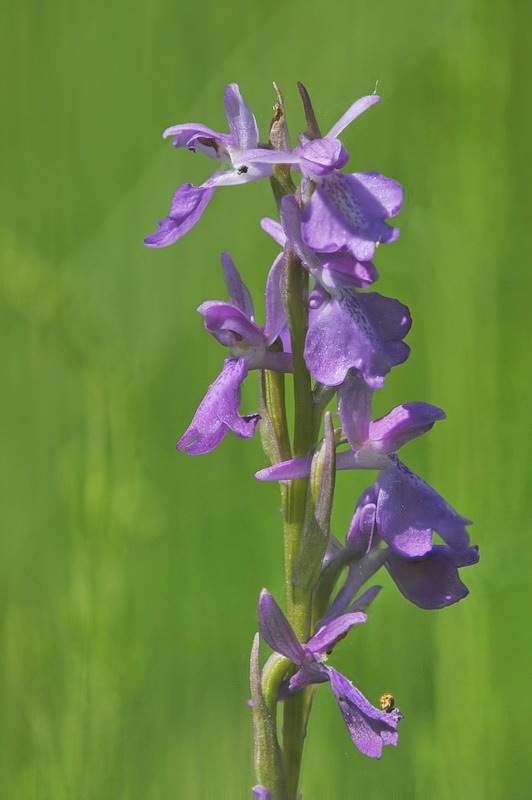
(242, 170)
(387, 702)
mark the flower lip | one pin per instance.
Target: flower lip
(217, 413)
(349, 210)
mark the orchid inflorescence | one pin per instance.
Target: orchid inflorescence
(320, 326)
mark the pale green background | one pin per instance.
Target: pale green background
(130, 573)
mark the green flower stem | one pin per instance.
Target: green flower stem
(274, 425)
(296, 712)
(307, 419)
(298, 602)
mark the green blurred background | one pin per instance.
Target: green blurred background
(130, 572)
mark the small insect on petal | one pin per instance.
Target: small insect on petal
(387, 702)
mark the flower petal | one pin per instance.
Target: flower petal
(363, 331)
(286, 470)
(369, 728)
(218, 412)
(432, 581)
(354, 111)
(237, 289)
(231, 327)
(330, 634)
(242, 123)
(188, 204)
(320, 157)
(241, 173)
(401, 424)
(363, 601)
(409, 510)
(191, 135)
(342, 269)
(261, 793)
(291, 220)
(274, 229)
(354, 406)
(275, 311)
(277, 631)
(349, 211)
(360, 534)
(308, 675)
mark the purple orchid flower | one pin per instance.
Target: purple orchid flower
(346, 211)
(370, 729)
(429, 582)
(408, 509)
(371, 442)
(347, 329)
(233, 325)
(242, 158)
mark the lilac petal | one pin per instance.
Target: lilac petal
(218, 412)
(189, 133)
(403, 423)
(291, 220)
(363, 331)
(260, 793)
(242, 123)
(354, 406)
(264, 155)
(360, 571)
(188, 205)
(342, 269)
(274, 229)
(277, 631)
(360, 535)
(388, 192)
(330, 634)
(364, 458)
(319, 157)
(242, 173)
(363, 601)
(237, 289)
(369, 728)
(275, 312)
(358, 107)
(338, 269)
(432, 581)
(334, 270)
(300, 467)
(409, 510)
(230, 326)
(286, 470)
(349, 211)
(308, 675)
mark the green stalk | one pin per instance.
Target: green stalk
(294, 494)
(298, 602)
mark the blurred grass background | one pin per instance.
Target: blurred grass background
(130, 573)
